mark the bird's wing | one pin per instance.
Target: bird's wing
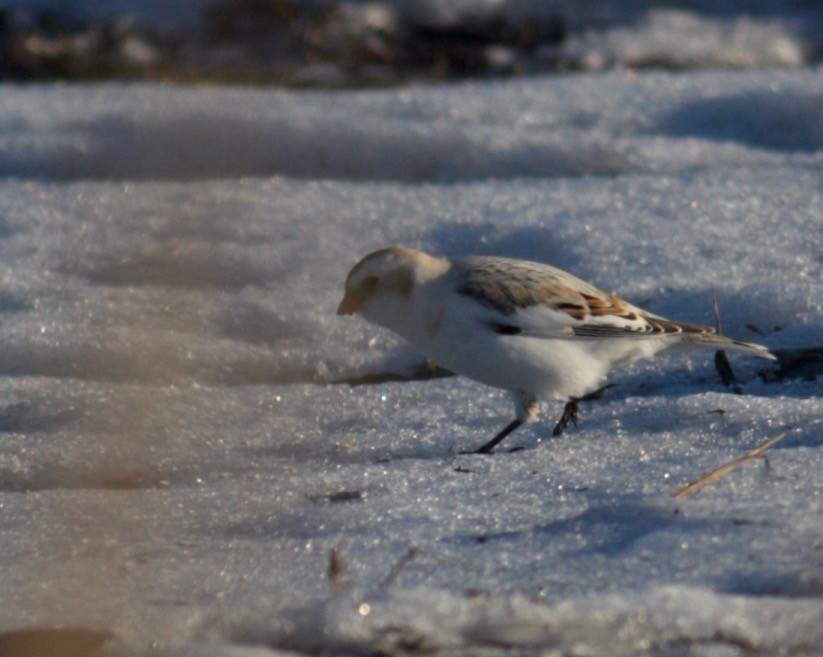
(535, 300)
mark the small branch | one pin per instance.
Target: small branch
(728, 467)
(716, 313)
(408, 555)
(721, 359)
(337, 496)
(336, 566)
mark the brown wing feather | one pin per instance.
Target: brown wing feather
(508, 286)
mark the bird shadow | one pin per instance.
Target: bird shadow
(611, 525)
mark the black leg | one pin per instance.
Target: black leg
(569, 415)
(489, 446)
(596, 394)
(572, 407)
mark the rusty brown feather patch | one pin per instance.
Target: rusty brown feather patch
(608, 304)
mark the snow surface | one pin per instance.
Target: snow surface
(176, 469)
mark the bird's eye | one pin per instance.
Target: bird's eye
(370, 283)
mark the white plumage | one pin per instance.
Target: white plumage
(527, 327)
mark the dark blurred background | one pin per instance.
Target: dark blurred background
(354, 44)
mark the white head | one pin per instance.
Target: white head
(381, 285)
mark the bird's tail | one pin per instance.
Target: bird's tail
(706, 336)
(713, 340)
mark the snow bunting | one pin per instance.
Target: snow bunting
(529, 328)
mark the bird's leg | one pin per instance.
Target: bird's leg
(525, 404)
(489, 446)
(572, 407)
(569, 415)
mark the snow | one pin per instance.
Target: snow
(702, 41)
(176, 468)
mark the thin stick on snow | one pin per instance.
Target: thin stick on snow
(716, 308)
(408, 555)
(728, 467)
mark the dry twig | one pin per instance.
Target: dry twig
(336, 566)
(728, 467)
(721, 359)
(408, 555)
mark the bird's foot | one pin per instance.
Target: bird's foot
(570, 411)
(569, 415)
(596, 394)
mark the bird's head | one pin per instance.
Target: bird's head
(384, 281)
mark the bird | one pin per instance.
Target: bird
(532, 329)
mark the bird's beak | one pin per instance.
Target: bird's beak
(349, 304)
